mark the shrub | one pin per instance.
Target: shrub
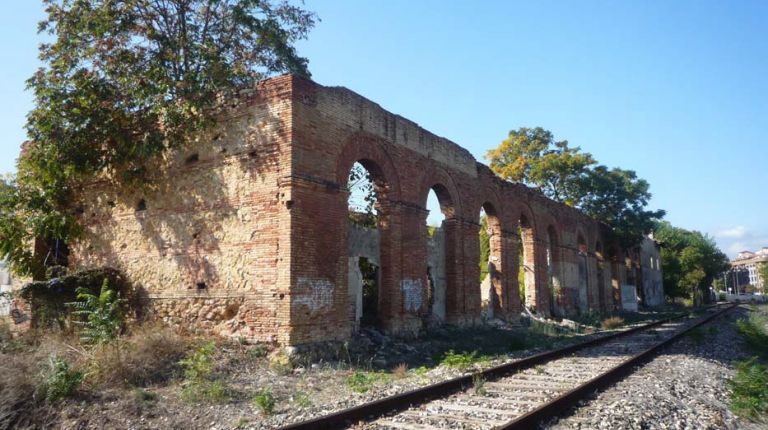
(48, 298)
(612, 323)
(61, 380)
(101, 312)
(200, 383)
(265, 401)
(749, 387)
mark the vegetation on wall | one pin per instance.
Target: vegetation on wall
(691, 261)
(123, 81)
(568, 175)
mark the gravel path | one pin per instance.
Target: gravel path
(684, 388)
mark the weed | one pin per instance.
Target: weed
(539, 370)
(302, 399)
(461, 360)
(421, 371)
(753, 331)
(143, 396)
(265, 401)
(612, 323)
(712, 330)
(361, 382)
(200, 382)
(401, 371)
(241, 422)
(61, 380)
(258, 351)
(749, 387)
(281, 363)
(478, 385)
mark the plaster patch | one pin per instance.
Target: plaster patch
(318, 294)
(412, 292)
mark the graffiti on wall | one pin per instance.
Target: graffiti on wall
(412, 291)
(316, 294)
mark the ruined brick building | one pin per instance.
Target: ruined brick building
(248, 232)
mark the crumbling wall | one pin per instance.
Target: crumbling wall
(206, 237)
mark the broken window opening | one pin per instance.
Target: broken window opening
(439, 207)
(362, 200)
(490, 261)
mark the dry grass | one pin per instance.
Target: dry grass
(400, 371)
(612, 323)
(149, 355)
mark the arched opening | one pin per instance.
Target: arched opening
(440, 207)
(581, 298)
(490, 260)
(601, 287)
(366, 187)
(526, 271)
(553, 272)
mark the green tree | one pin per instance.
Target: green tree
(565, 174)
(532, 156)
(123, 81)
(691, 261)
(618, 198)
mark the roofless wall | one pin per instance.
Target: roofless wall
(247, 231)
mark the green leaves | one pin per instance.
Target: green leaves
(123, 81)
(102, 314)
(565, 174)
(690, 260)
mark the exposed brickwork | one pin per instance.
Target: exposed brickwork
(257, 211)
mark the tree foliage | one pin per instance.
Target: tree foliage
(531, 155)
(125, 80)
(568, 175)
(691, 261)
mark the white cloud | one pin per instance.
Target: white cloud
(738, 232)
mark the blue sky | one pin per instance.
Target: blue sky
(676, 90)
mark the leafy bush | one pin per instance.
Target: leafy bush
(749, 387)
(102, 315)
(612, 323)
(200, 382)
(265, 401)
(48, 298)
(61, 380)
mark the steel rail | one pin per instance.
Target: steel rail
(398, 402)
(556, 406)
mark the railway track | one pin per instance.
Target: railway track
(520, 394)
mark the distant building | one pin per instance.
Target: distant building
(745, 272)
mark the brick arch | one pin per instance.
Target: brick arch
(450, 200)
(371, 153)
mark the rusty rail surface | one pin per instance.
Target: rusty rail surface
(377, 408)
